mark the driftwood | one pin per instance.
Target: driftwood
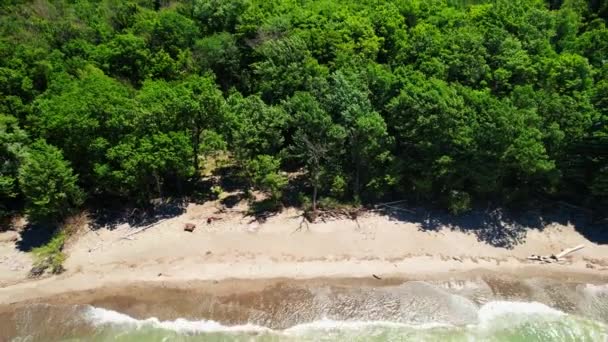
(389, 203)
(392, 206)
(327, 215)
(375, 276)
(189, 227)
(129, 236)
(569, 250)
(338, 214)
(304, 221)
(210, 219)
(142, 229)
(555, 258)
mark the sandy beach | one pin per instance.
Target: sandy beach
(237, 247)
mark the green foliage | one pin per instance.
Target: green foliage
(50, 256)
(173, 32)
(459, 202)
(314, 139)
(220, 53)
(263, 172)
(286, 66)
(255, 127)
(13, 142)
(127, 55)
(47, 183)
(459, 101)
(140, 166)
(217, 191)
(338, 187)
(218, 15)
(329, 203)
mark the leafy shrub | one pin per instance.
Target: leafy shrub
(338, 186)
(459, 202)
(264, 173)
(217, 191)
(49, 256)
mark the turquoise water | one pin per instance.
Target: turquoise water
(412, 311)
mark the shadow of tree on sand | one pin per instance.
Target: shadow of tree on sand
(112, 216)
(500, 227)
(34, 235)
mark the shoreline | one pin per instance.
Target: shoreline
(61, 289)
(284, 303)
(235, 247)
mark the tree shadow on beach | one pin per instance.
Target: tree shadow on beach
(501, 227)
(34, 235)
(110, 216)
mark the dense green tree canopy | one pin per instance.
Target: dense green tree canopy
(48, 183)
(450, 101)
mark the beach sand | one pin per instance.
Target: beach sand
(235, 247)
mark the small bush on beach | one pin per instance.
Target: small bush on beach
(459, 202)
(304, 201)
(263, 172)
(217, 191)
(330, 203)
(49, 256)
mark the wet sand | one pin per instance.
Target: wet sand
(168, 300)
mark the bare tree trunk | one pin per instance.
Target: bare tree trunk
(195, 147)
(314, 200)
(357, 178)
(158, 187)
(356, 158)
(180, 188)
(315, 186)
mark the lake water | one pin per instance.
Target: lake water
(476, 309)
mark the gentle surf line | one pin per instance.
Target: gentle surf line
(489, 314)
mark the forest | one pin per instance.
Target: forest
(451, 103)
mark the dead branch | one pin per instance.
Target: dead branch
(389, 203)
(129, 235)
(304, 221)
(569, 251)
(399, 209)
(555, 258)
(358, 225)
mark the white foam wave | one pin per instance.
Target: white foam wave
(595, 289)
(500, 314)
(101, 316)
(492, 315)
(328, 324)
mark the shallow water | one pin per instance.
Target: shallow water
(480, 309)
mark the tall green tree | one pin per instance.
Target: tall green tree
(13, 142)
(368, 139)
(220, 54)
(203, 110)
(286, 66)
(84, 117)
(141, 167)
(315, 139)
(126, 56)
(48, 183)
(255, 127)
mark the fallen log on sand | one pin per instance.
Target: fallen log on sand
(555, 258)
(128, 236)
(569, 250)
